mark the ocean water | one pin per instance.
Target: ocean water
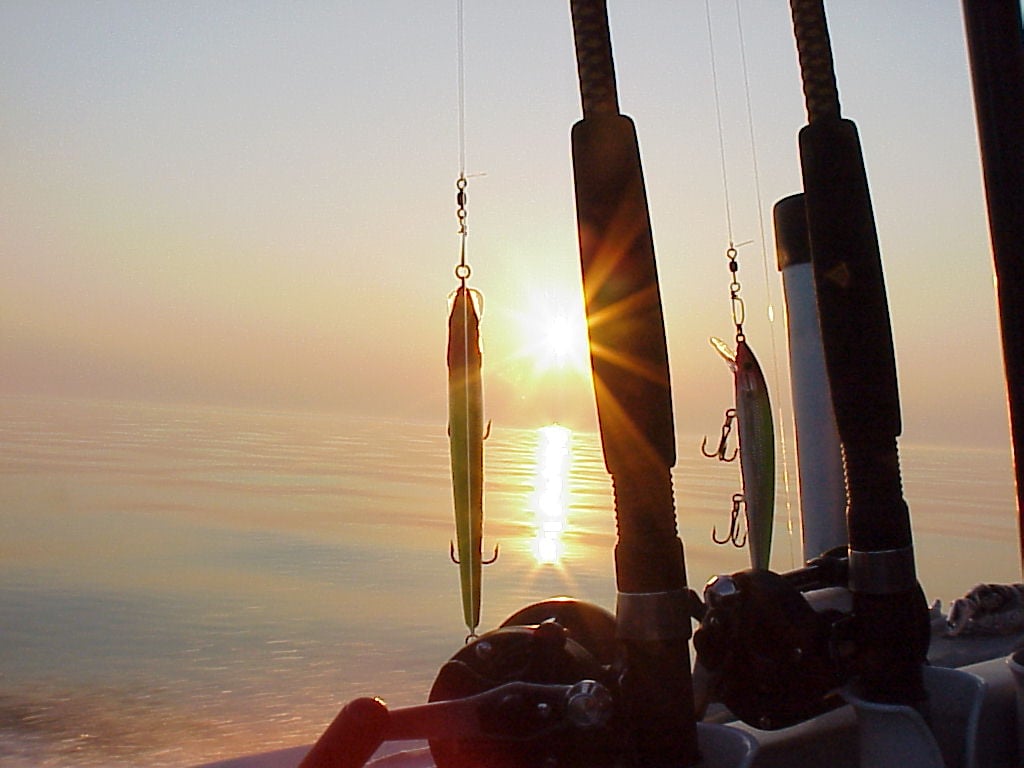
(179, 585)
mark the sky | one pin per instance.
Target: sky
(252, 203)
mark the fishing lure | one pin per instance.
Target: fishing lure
(466, 431)
(753, 414)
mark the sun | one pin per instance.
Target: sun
(561, 341)
(555, 336)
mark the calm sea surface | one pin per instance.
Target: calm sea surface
(180, 585)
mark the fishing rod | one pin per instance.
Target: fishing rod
(779, 647)
(629, 361)
(996, 54)
(890, 611)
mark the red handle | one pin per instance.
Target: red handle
(352, 738)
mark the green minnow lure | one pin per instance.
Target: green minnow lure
(757, 447)
(466, 435)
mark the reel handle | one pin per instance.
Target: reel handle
(352, 738)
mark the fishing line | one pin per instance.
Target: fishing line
(465, 393)
(787, 493)
(462, 271)
(461, 55)
(718, 119)
(737, 305)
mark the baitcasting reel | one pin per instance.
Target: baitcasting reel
(545, 690)
(539, 690)
(774, 659)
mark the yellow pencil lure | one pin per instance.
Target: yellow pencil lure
(466, 433)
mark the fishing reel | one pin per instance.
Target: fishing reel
(544, 689)
(539, 690)
(772, 656)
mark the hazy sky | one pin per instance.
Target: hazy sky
(253, 202)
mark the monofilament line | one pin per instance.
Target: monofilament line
(461, 55)
(761, 231)
(767, 281)
(718, 119)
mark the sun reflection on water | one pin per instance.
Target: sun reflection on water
(550, 499)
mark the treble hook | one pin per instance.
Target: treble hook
(492, 557)
(455, 559)
(719, 453)
(737, 527)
